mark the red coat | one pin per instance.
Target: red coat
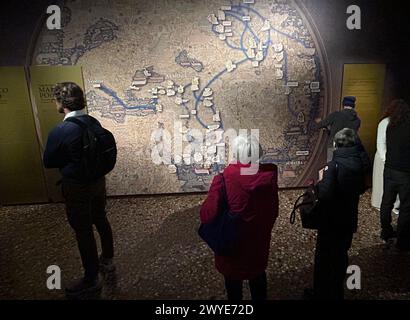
(255, 198)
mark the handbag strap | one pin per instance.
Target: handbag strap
(296, 206)
(224, 193)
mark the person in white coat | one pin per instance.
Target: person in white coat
(379, 161)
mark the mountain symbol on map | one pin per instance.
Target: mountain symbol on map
(185, 61)
(145, 76)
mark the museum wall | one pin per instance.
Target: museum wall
(381, 41)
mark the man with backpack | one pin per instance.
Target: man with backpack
(84, 152)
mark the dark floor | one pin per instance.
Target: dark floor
(159, 255)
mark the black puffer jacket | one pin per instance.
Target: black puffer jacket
(340, 189)
(336, 121)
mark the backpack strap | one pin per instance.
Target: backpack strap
(84, 126)
(78, 122)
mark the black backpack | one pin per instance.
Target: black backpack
(99, 148)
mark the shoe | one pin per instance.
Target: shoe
(387, 234)
(106, 265)
(309, 294)
(83, 287)
(402, 249)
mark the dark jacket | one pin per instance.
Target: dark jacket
(255, 199)
(336, 121)
(64, 148)
(398, 147)
(340, 189)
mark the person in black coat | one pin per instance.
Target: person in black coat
(339, 193)
(336, 121)
(397, 176)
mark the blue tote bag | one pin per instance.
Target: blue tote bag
(222, 233)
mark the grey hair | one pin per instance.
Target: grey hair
(346, 138)
(246, 149)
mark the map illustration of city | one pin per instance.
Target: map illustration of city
(195, 66)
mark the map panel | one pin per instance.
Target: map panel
(194, 69)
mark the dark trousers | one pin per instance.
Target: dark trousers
(85, 207)
(396, 183)
(331, 262)
(257, 285)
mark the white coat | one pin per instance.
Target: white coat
(378, 167)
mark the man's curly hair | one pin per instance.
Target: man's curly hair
(70, 95)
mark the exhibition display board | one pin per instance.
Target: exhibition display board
(366, 83)
(42, 82)
(22, 179)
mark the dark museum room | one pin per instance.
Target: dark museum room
(205, 150)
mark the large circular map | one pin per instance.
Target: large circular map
(195, 69)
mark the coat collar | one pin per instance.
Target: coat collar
(75, 113)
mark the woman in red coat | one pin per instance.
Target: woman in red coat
(253, 196)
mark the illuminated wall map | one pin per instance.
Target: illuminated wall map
(212, 65)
